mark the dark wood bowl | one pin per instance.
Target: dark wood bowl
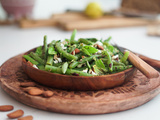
(68, 82)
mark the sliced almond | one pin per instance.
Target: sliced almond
(26, 118)
(4, 108)
(15, 114)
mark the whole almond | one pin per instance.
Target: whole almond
(15, 114)
(77, 51)
(27, 84)
(100, 47)
(4, 108)
(83, 57)
(26, 118)
(48, 93)
(33, 91)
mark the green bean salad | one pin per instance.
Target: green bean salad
(82, 57)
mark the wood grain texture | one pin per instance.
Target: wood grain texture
(154, 63)
(76, 20)
(69, 82)
(103, 23)
(24, 23)
(131, 94)
(141, 65)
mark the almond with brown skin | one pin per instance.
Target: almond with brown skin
(15, 114)
(26, 118)
(76, 51)
(100, 47)
(83, 57)
(48, 93)
(27, 84)
(33, 91)
(4, 108)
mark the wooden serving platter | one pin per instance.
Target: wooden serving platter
(131, 94)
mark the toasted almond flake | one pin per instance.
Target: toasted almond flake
(93, 73)
(99, 51)
(55, 61)
(85, 70)
(115, 57)
(62, 45)
(99, 43)
(59, 59)
(35, 66)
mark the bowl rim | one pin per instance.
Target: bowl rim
(63, 75)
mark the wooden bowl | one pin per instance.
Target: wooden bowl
(68, 82)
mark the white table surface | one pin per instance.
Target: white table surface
(14, 41)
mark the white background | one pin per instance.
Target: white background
(14, 40)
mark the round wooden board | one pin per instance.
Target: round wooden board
(134, 93)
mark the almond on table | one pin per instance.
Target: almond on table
(15, 114)
(26, 118)
(48, 93)
(4, 108)
(33, 91)
(27, 84)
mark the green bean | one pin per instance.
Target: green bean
(73, 64)
(97, 70)
(45, 47)
(89, 58)
(54, 69)
(109, 62)
(125, 57)
(117, 63)
(85, 41)
(51, 50)
(37, 58)
(27, 57)
(39, 51)
(41, 67)
(85, 51)
(64, 67)
(72, 48)
(79, 55)
(76, 63)
(121, 68)
(49, 60)
(57, 64)
(88, 65)
(64, 53)
(72, 39)
(80, 69)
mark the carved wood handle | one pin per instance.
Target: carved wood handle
(145, 68)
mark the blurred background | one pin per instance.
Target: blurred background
(133, 24)
(44, 9)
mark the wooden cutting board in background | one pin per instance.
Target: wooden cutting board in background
(74, 20)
